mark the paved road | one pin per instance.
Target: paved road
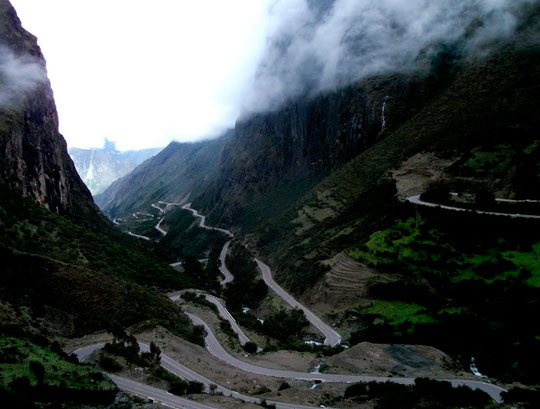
(332, 337)
(225, 314)
(215, 348)
(155, 394)
(202, 222)
(158, 227)
(417, 201)
(182, 371)
(223, 267)
(138, 236)
(157, 207)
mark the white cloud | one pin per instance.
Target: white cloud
(142, 73)
(19, 74)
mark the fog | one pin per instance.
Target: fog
(314, 46)
(19, 75)
(143, 74)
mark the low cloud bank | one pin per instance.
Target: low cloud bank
(316, 45)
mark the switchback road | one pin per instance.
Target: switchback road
(417, 201)
(215, 348)
(332, 337)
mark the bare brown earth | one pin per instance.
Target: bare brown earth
(393, 360)
(345, 285)
(416, 173)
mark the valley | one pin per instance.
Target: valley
(360, 231)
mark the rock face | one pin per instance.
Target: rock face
(34, 161)
(99, 168)
(178, 173)
(304, 140)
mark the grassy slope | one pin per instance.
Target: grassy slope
(488, 102)
(17, 353)
(489, 105)
(89, 275)
(27, 227)
(186, 238)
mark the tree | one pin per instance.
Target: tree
(250, 347)
(38, 370)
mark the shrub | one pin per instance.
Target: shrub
(250, 347)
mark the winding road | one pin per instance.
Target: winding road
(183, 372)
(215, 348)
(419, 202)
(202, 222)
(225, 314)
(223, 266)
(332, 337)
(158, 227)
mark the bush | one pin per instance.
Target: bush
(284, 386)
(109, 364)
(38, 370)
(250, 347)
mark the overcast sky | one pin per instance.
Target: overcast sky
(142, 73)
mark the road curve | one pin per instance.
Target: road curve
(215, 348)
(225, 314)
(182, 371)
(202, 222)
(155, 394)
(419, 202)
(138, 236)
(223, 266)
(158, 227)
(332, 337)
(157, 207)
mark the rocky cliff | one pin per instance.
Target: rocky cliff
(34, 161)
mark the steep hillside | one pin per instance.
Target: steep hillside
(58, 249)
(179, 172)
(99, 168)
(490, 102)
(34, 159)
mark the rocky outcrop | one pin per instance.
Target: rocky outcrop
(34, 161)
(304, 140)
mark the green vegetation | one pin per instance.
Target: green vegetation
(126, 346)
(28, 227)
(92, 300)
(527, 398)
(199, 299)
(397, 312)
(142, 224)
(186, 238)
(459, 274)
(39, 374)
(246, 289)
(425, 393)
(286, 326)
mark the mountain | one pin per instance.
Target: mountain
(99, 168)
(179, 172)
(66, 270)
(318, 188)
(35, 161)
